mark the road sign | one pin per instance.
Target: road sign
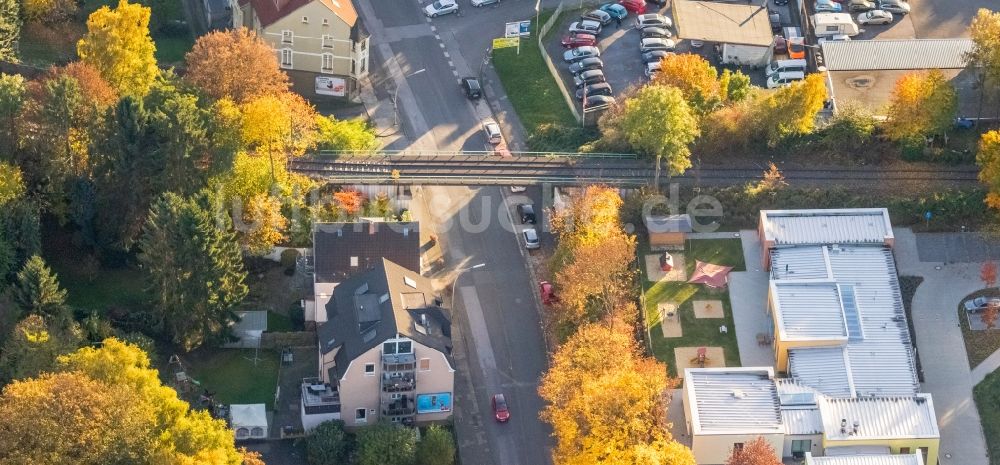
(505, 42)
(518, 29)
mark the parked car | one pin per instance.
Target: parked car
(652, 68)
(500, 410)
(836, 38)
(857, 6)
(586, 64)
(827, 6)
(875, 17)
(780, 45)
(526, 213)
(980, 303)
(784, 78)
(492, 131)
(589, 77)
(635, 6)
(898, 7)
(796, 48)
(598, 101)
(518, 189)
(472, 88)
(531, 241)
(658, 2)
(579, 39)
(655, 56)
(441, 7)
(780, 2)
(615, 10)
(580, 53)
(479, 3)
(600, 16)
(648, 45)
(653, 20)
(656, 32)
(601, 88)
(586, 27)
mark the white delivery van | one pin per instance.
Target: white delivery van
(832, 24)
(783, 79)
(778, 66)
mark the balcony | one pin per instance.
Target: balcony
(399, 362)
(399, 408)
(319, 397)
(398, 383)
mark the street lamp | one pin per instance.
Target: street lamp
(395, 93)
(454, 284)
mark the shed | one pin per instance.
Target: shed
(743, 31)
(248, 330)
(667, 230)
(248, 421)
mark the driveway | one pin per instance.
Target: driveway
(748, 295)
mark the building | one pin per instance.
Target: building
(865, 459)
(741, 31)
(668, 231)
(385, 352)
(864, 72)
(248, 329)
(341, 250)
(321, 44)
(219, 13)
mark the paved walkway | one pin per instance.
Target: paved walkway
(714, 235)
(748, 297)
(942, 351)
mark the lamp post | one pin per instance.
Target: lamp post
(454, 284)
(395, 93)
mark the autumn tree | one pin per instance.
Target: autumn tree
(264, 224)
(984, 58)
(591, 215)
(13, 93)
(988, 159)
(48, 11)
(10, 29)
(921, 105)
(235, 63)
(597, 280)
(354, 135)
(11, 182)
(37, 291)
(608, 413)
(194, 267)
(386, 444)
(735, 86)
(771, 181)
(34, 345)
(790, 110)
(695, 77)
(118, 45)
(756, 452)
(349, 202)
(988, 273)
(659, 123)
(436, 447)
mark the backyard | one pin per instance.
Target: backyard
(234, 376)
(697, 332)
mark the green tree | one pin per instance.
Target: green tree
(658, 122)
(11, 183)
(436, 447)
(13, 92)
(791, 110)
(984, 58)
(118, 44)
(386, 444)
(180, 129)
(735, 85)
(34, 345)
(327, 445)
(193, 263)
(10, 29)
(921, 104)
(20, 228)
(37, 291)
(353, 135)
(851, 129)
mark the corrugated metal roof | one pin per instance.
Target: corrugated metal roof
(823, 368)
(799, 419)
(867, 459)
(733, 400)
(808, 310)
(253, 320)
(833, 226)
(878, 418)
(897, 54)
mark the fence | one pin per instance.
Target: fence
(570, 102)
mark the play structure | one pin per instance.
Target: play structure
(711, 275)
(701, 359)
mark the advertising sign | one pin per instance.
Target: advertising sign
(518, 29)
(504, 42)
(329, 85)
(434, 403)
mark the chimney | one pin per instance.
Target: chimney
(843, 426)
(856, 425)
(372, 228)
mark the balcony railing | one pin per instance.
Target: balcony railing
(319, 397)
(398, 383)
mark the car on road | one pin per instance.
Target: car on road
(858, 6)
(601, 88)
(827, 6)
(531, 241)
(655, 56)
(526, 213)
(579, 39)
(589, 77)
(615, 10)
(598, 101)
(652, 20)
(500, 410)
(492, 131)
(579, 53)
(650, 44)
(875, 17)
(656, 32)
(980, 303)
(472, 88)
(635, 6)
(441, 7)
(586, 64)
(586, 27)
(780, 45)
(479, 3)
(600, 16)
(898, 7)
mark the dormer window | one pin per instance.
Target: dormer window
(409, 282)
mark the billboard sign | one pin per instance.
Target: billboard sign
(504, 42)
(518, 29)
(329, 85)
(434, 403)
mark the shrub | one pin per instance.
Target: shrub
(328, 444)
(551, 137)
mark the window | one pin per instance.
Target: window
(904, 450)
(305, 19)
(286, 36)
(425, 364)
(326, 22)
(363, 63)
(397, 347)
(389, 348)
(327, 41)
(404, 347)
(361, 415)
(286, 58)
(327, 62)
(801, 446)
(369, 369)
(833, 29)
(923, 451)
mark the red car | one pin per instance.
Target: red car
(634, 6)
(579, 39)
(780, 45)
(500, 410)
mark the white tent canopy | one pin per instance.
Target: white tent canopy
(249, 421)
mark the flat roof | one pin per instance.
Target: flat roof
(733, 400)
(731, 23)
(866, 459)
(895, 54)
(826, 226)
(873, 88)
(878, 418)
(808, 311)
(799, 408)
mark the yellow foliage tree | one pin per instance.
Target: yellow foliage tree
(590, 215)
(282, 124)
(11, 182)
(988, 158)
(696, 78)
(790, 110)
(265, 225)
(118, 45)
(921, 104)
(236, 64)
(597, 281)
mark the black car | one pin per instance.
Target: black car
(472, 88)
(586, 64)
(601, 88)
(526, 212)
(598, 101)
(655, 55)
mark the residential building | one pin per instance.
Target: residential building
(385, 352)
(341, 250)
(321, 44)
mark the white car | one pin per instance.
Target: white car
(492, 131)
(479, 3)
(531, 241)
(898, 7)
(875, 17)
(585, 27)
(651, 44)
(518, 189)
(576, 54)
(652, 20)
(441, 7)
(827, 6)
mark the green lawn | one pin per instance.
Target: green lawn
(172, 49)
(978, 344)
(987, 395)
(89, 285)
(696, 331)
(232, 375)
(278, 323)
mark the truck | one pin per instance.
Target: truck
(833, 24)
(744, 55)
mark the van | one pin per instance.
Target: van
(778, 66)
(831, 24)
(782, 79)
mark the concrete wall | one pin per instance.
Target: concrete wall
(715, 449)
(746, 55)
(310, 422)
(895, 446)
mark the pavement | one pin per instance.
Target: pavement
(748, 297)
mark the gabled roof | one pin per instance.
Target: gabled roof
(733, 400)
(248, 415)
(380, 304)
(270, 11)
(342, 250)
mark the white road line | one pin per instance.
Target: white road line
(456, 75)
(437, 36)
(446, 55)
(442, 45)
(434, 29)
(452, 65)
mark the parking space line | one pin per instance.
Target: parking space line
(434, 30)
(437, 36)
(441, 44)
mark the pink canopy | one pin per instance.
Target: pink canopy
(710, 275)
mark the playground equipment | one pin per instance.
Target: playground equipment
(701, 358)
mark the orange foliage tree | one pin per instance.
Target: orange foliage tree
(349, 201)
(236, 64)
(756, 452)
(696, 78)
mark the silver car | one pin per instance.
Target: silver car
(654, 43)
(589, 77)
(875, 17)
(586, 64)
(531, 241)
(898, 7)
(981, 303)
(586, 27)
(579, 53)
(652, 20)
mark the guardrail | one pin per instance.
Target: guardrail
(480, 180)
(453, 153)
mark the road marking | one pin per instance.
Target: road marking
(437, 36)
(446, 55)
(451, 64)
(435, 29)
(441, 44)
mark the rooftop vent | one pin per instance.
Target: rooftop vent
(739, 394)
(406, 232)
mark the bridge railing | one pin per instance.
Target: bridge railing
(334, 154)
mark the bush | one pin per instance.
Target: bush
(851, 129)
(386, 444)
(289, 257)
(551, 137)
(436, 448)
(298, 316)
(328, 444)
